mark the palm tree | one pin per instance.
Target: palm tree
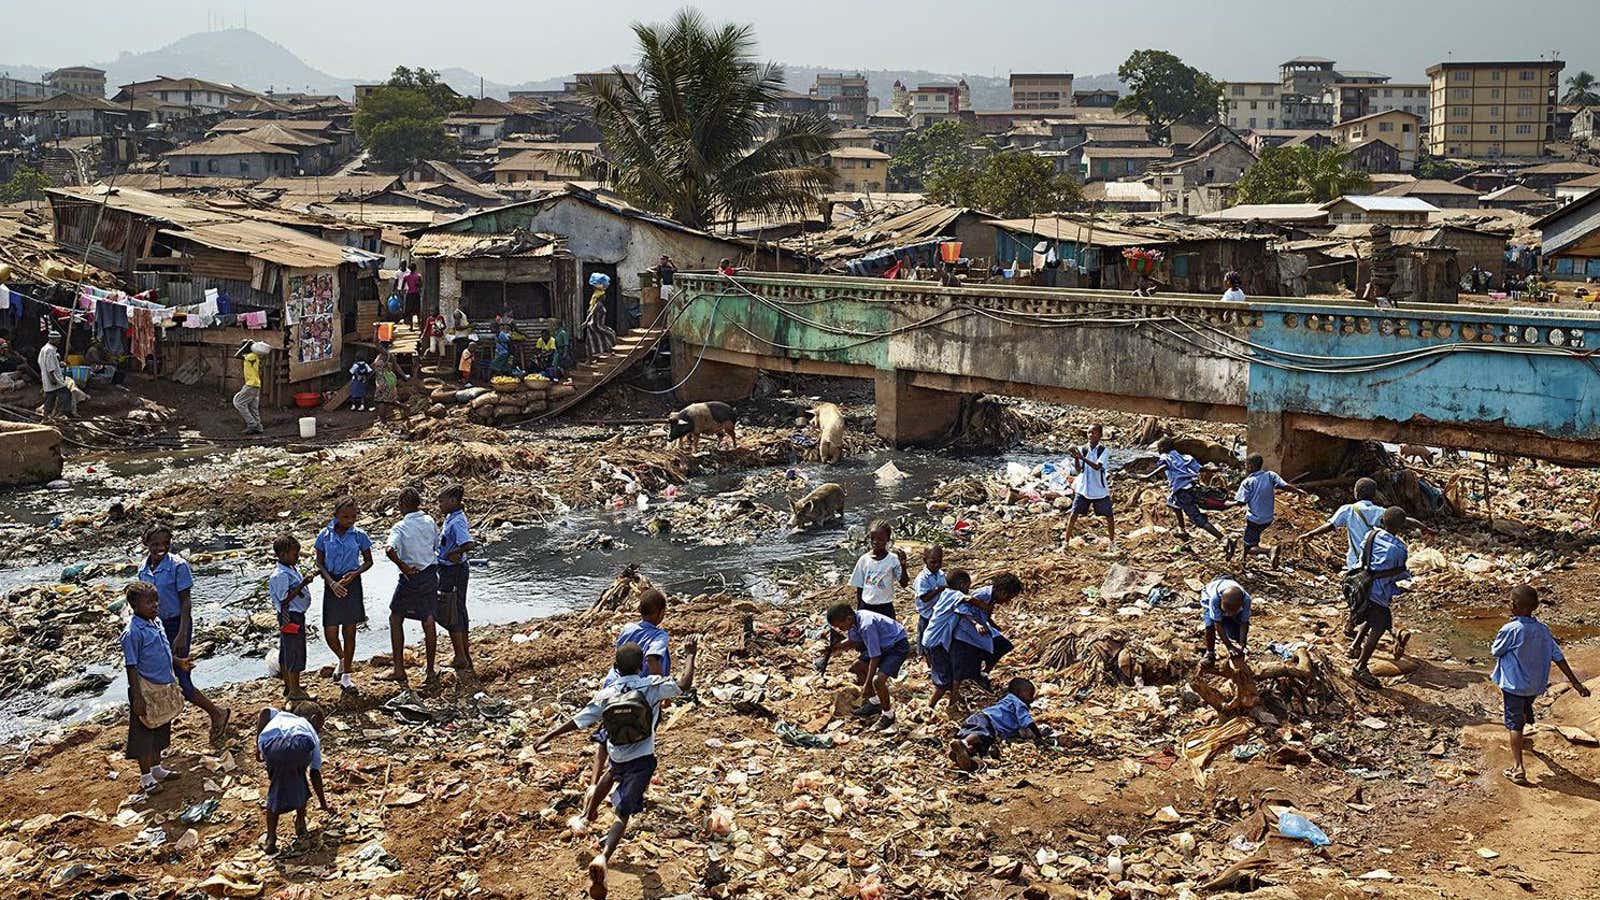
(689, 137)
(1322, 175)
(1581, 90)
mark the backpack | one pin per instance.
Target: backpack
(1358, 583)
(628, 718)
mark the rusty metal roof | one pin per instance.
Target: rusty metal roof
(518, 245)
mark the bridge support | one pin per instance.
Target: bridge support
(1291, 451)
(713, 380)
(909, 415)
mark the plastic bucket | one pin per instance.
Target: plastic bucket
(385, 332)
(308, 426)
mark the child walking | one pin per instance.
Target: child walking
(290, 600)
(653, 639)
(883, 647)
(929, 584)
(878, 571)
(343, 553)
(360, 382)
(154, 699)
(1007, 720)
(289, 745)
(455, 542)
(629, 708)
(1524, 650)
(173, 581)
(414, 548)
(1384, 557)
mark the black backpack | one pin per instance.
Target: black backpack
(1358, 583)
(628, 718)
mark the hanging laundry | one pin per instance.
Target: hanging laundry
(257, 319)
(143, 344)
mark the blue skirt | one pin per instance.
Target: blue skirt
(288, 757)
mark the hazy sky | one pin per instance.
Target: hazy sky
(518, 40)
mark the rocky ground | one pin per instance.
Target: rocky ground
(769, 789)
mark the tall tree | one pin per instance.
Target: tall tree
(403, 121)
(925, 151)
(1166, 90)
(1010, 184)
(25, 184)
(689, 138)
(1300, 175)
(1581, 90)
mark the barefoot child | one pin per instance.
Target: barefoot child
(289, 747)
(173, 581)
(649, 635)
(883, 647)
(290, 600)
(1258, 495)
(878, 571)
(1225, 610)
(1182, 470)
(1007, 720)
(414, 548)
(153, 698)
(1524, 650)
(455, 542)
(629, 710)
(343, 553)
(929, 584)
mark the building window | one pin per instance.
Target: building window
(1461, 93)
(1270, 121)
(1494, 76)
(1494, 94)
(1524, 129)
(1252, 104)
(1405, 128)
(1461, 75)
(1459, 112)
(1252, 123)
(1458, 129)
(194, 167)
(1386, 126)
(1524, 93)
(1494, 129)
(1238, 90)
(1524, 112)
(1525, 74)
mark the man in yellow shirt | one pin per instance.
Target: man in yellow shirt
(248, 400)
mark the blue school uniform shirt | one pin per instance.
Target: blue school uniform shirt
(876, 633)
(287, 594)
(287, 723)
(652, 638)
(1088, 483)
(171, 576)
(1258, 493)
(1356, 519)
(145, 647)
(1524, 651)
(1182, 470)
(927, 582)
(984, 595)
(1211, 602)
(342, 552)
(656, 688)
(454, 533)
(1388, 552)
(1009, 716)
(968, 615)
(942, 622)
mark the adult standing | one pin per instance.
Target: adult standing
(597, 335)
(665, 271)
(57, 395)
(385, 385)
(1091, 484)
(411, 281)
(248, 400)
(1235, 288)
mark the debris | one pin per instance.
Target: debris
(201, 811)
(1294, 825)
(1577, 735)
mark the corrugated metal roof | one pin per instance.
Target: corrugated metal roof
(232, 145)
(1268, 212)
(1427, 186)
(449, 245)
(273, 243)
(1123, 231)
(1376, 203)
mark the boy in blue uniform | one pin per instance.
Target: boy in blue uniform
(1225, 610)
(1388, 566)
(343, 553)
(929, 584)
(652, 639)
(1003, 588)
(1356, 519)
(148, 657)
(290, 600)
(938, 636)
(414, 549)
(1007, 720)
(1524, 650)
(360, 381)
(291, 750)
(883, 647)
(1258, 495)
(173, 581)
(455, 542)
(631, 703)
(1182, 470)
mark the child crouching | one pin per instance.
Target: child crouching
(290, 748)
(1007, 720)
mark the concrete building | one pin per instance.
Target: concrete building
(1397, 128)
(1097, 99)
(848, 100)
(1350, 95)
(1118, 163)
(1489, 110)
(76, 115)
(1041, 90)
(1370, 210)
(200, 97)
(934, 100)
(1252, 105)
(1442, 194)
(1405, 96)
(1303, 102)
(84, 81)
(14, 89)
(859, 169)
(233, 155)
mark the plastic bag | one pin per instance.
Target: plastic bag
(1294, 825)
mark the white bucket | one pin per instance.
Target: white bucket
(308, 426)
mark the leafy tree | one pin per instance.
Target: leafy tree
(925, 151)
(1300, 175)
(1011, 184)
(1165, 90)
(25, 184)
(689, 138)
(403, 121)
(1581, 90)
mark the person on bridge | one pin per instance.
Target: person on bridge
(1235, 288)
(1091, 485)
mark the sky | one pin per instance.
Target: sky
(521, 40)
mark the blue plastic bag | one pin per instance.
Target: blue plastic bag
(1294, 825)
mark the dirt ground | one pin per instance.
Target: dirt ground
(439, 794)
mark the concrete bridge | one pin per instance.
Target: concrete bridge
(1303, 376)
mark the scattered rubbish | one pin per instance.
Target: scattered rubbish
(1246, 752)
(1577, 735)
(1294, 825)
(889, 473)
(200, 812)
(798, 738)
(1486, 853)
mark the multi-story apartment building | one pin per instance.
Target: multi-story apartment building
(84, 81)
(1411, 97)
(846, 94)
(1252, 105)
(14, 89)
(1041, 90)
(1492, 109)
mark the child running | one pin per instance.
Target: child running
(343, 553)
(883, 647)
(1007, 720)
(1182, 471)
(1003, 588)
(652, 638)
(153, 701)
(878, 571)
(173, 581)
(929, 584)
(629, 708)
(1524, 650)
(289, 746)
(455, 542)
(1384, 556)
(290, 600)
(1258, 495)
(414, 548)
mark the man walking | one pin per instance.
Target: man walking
(57, 395)
(248, 400)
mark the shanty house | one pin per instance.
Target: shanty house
(527, 276)
(1571, 239)
(1374, 210)
(234, 155)
(74, 115)
(1090, 248)
(1442, 194)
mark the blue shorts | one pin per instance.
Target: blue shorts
(893, 658)
(1518, 710)
(966, 660)
(979, 725)
(185, 679)
(1184, 501)
(939, 670)
(1379, 618)
(1253, 532)
(1101, 507)
(629, 781)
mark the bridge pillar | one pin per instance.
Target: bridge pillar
(909, 415)
(712, 380)
(1291, 451)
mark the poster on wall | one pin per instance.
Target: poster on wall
(311, 308)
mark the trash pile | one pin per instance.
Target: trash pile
(507, 399)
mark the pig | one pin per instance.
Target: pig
(821, 505)
(703, 418)
(1416, 453)
(830, 432)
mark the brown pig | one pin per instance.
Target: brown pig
(703, 418)
(821, 505)
(830, 432)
